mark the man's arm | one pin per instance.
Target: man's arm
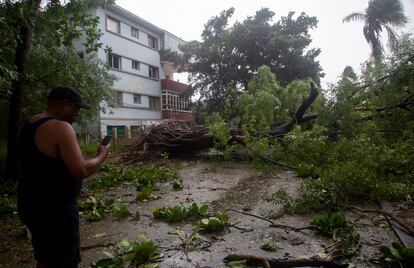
(70, 153)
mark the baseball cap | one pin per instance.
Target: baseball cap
(69, 94)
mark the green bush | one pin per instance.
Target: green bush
(89, 149)
(8, 198)
(315, 195)
(8, 204)
(328, 224)
(108, 177)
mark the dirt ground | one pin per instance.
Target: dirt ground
(225, 185)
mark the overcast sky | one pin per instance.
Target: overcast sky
(342, 44)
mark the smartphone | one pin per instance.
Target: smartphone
(106, 140)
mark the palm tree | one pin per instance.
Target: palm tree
(378, 15)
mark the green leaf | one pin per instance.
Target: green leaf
(203, 209)
(108, 254)
(237, 264)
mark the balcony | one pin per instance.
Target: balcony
(173, 86)
(175, 105)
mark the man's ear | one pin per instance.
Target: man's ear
(66, 106)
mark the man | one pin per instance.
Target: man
(53, 168)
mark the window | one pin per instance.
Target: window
(134, 32)
(153, 72)
(135, 65)
(120, 130)
(137, 98)
(114, 61)
(113, 25)
(119, 99)
(152, 42)
(154, 102)
(172, 101)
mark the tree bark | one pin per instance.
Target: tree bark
(299, 117)
(23, 48)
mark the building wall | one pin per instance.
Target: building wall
(131, 81)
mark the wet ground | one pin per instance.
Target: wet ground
(222, 186)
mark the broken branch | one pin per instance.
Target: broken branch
(271, 262)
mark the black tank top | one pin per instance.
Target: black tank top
(45, 182)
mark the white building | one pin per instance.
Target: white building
(135, 59)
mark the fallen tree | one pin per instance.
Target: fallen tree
(178, 137)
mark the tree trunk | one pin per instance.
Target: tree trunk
(24, 45)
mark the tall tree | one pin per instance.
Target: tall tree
(38, 54)
(379, 15)
(23, 47)
(232, 55)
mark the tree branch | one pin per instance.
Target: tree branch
(272, 223)
(299, 116)
(407, 228)
(271, 262)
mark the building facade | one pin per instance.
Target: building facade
(143, 79)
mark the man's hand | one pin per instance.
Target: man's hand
(103, 150)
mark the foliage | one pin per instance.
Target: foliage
(397, 256)
(179, 213)
(177, 184)
(361, 146)
(305, 170)
(214, 224)
(328, 224)
(232, 55)
(144, 178)
(56, 28)
(95, 207)
(8, 198)
(269, 246)
(108, 177)
(147, 175)
(219, 129)
(145, 192)
(120, 212)
(89, 148)
(308, 147)
(131, 254)
(314, 196)
(188, 241)
(8, 204)
(236, 264)
(90, 77)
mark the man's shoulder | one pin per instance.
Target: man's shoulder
(60, 125)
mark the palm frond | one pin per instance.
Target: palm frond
(387, 12)
(392, 37)
(354, 17)
(373, 40)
